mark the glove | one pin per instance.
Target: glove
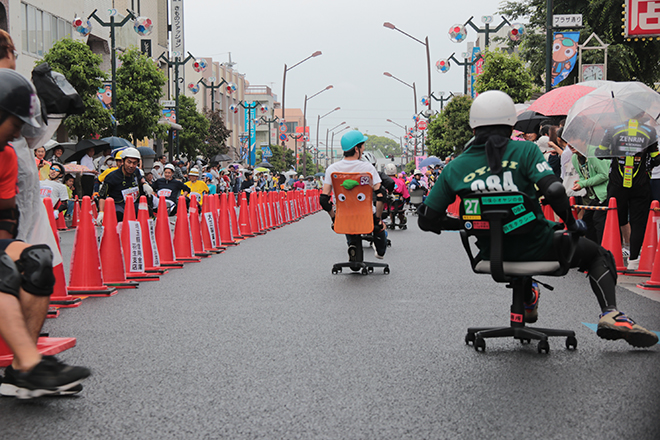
(56, 214)
(99, 219)
(579, 227)
(148, 190)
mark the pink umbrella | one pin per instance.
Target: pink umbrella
(75, 168)
(557, 102)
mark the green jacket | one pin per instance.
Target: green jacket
(594, 175)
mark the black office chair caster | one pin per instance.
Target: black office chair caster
(571, 343)
(544, 346)
(479, 344)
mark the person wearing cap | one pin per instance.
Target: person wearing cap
(417, 182)
(58, 151)
(352, 144)
(196, 186)
(24, 296)
(170, 188)
(208, 179)
(122, 182)
(496, 163)
(157, 170)
(54, 189)
(119, 160)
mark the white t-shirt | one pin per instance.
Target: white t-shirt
(55, 190)
(88, 162)
(351, 166)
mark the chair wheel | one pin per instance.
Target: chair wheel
(365, 271)
(386, 271)
(571, 343)
(543, 346)
(403, 227)
(469, 337)
(525, 341)
(371, 269)
(335, 271)
(479, 344)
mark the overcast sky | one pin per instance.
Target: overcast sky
(263, 35)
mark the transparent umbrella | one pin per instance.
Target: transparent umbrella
(617, 119)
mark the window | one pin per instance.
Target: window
(41, 30)
(291, 127)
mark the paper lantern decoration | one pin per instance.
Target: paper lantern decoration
(143, 26)
(442, 65)
(457, 33)
(264, 109)
(231, 88)
(425, 101)
(516, 32)
(199, 65)
(193, 88)
(82, 26)
(233, 108)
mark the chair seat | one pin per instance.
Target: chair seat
(521, 268)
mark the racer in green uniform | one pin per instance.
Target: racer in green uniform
(494, 162)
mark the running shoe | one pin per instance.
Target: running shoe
(9, 387)
(615, 325)
(48, 377)
(633, 264)
(532, 309)
(376, 254)
(625, 252)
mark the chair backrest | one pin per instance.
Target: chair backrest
(417, 196)
(508, 213)
(353, 202)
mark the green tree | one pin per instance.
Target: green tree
(217, 135)
(192, 138)
(383, 144)
(139, 88)
(283, 158)
(507, 73)
(312, 168)
(626, 60)
(80, 66)
(449, 131)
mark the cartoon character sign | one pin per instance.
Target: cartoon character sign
(169, 115)
(564, 53)
(353, 201)
(104, 95)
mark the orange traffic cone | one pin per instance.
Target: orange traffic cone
(149, 248)
(612, 235)
(195, 229)
(61, 223)
(164, 240)
(85, 278)
(284, 206)
(226, 237)
(45, 346)
(209, 228)
(647, 254)
(571, 200)
(183, 247)
(131, 244)
(76, 213)
(244, 216)
(112, 258)
(233, 218)
(60, 296)
(254, 215)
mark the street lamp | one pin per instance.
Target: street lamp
(305, 127)
(318, 121)
(486, 19)
(465, 65)
(442, 98)
(215, 87)
(327, 131)
(388, 74)
(428, 54)
(286, 69)
(332, 142)
(398, 125)
(269, 121)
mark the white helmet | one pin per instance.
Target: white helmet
(169, 166)
(492, 108)
(193, 172)
(390, 169)
(130, 152)
(368, 156)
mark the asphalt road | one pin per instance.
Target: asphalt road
(264, 342)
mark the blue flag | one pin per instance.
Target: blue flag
(564, 54)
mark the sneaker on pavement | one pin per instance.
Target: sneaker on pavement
(615, 325)
(633, 264)
(625, 252)
(376, 254)
(48, 377)
(532, 309)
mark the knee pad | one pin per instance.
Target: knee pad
(10, 277)
(36, 266)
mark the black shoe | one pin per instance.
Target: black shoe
(352, 253)
(48, 377)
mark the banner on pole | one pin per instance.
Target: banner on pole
(564, 54)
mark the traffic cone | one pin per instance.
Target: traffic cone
(76, 213)
(112, 258)
(149, 248)
(60, 296)
(235, 227)
(548, 212)
(654, 282)
(244, 216)
(183, 247)
(647, 254)
(60, 223)
(131, 244)
(612, 235)
(195, 229)
(85, 277)
(45, 346)
(164, 240)
(210, 228)
(226, 237)
(269, 209)
(571, 201)
(254, 215)
(284, 205)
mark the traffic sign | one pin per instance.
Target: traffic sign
(266, 151)
(283, 128)
(567, 20)
(282, 137)
(421, 125)
(167, 103)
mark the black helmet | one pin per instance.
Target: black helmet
(18, 96)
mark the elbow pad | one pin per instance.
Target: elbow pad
(326, 203)
(555, 194)
(429, 219)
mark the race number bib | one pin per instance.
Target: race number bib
(130, 192)
(46, 191)
(165, 192)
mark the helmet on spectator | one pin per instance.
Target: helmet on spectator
(417, 172)
(368, 156)
(169, 166)
(193, 172)
(390, 169)
(492, 108)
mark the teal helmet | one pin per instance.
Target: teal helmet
(351, 139)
